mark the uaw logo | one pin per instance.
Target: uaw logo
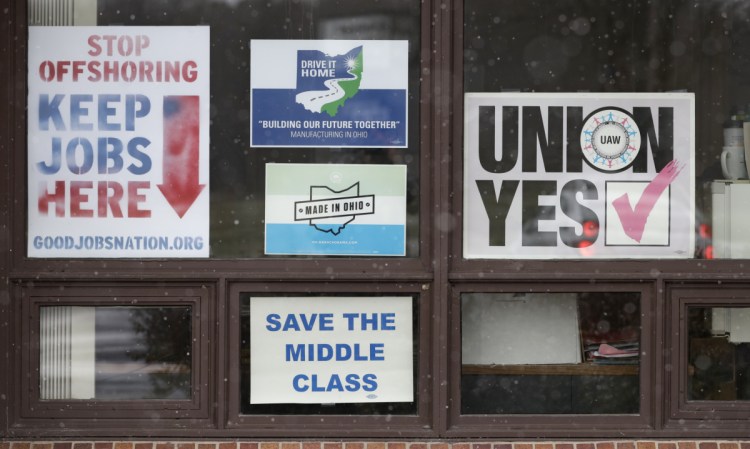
(325, 82)
(331, 210)
(610, 139)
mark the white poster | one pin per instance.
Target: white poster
(579, 175)
(336, 209)
(329, 93)
(316, 350)
(118, 142)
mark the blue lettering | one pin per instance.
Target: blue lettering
(296, 383)
(294, 353)
(352, 382)
(325, 352)
(105, 112)
(335, 383)
(50, 111)
(131, 113)
(88, 156)
(273, 322)
(77, 111)
(376, 351)
(388, 321)
(103, 144)
(54, 166)
(370, 382)
(315, 386)
(144, 159)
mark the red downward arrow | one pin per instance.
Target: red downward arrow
(180, 185)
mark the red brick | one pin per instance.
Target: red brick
(706, 445)
(687, 445)
(265, 445)
(83, 446)
(123, 445)
(21, 446)
(667, 446)
(184, 446)
(161, 446)
(332, 446)
(49, 446)
(103, 445)
(418, 446)
(144, 446)
(745, 445)
(543, 446)
(4, 445)
(466, 446)
(248, 445)
(625, 445)
(440, 446)
(729, 445)
(354, 445)
(605, 445)
(565, 446)
(63, 445)
(392, 446)
(585, 446)
(372, 446)
(233, 445)
(290, 445)
(523, 446)
(646, 445)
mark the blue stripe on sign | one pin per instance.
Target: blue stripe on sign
(376, 240)
(274, 109)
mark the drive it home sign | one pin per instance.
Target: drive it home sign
(579, 175)
(329, 93)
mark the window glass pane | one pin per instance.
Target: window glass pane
(631, 47)
(550, 353)
(328, 355)
(109, 353)
(719, 353)
(237, 171)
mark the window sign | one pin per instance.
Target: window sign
(312, 350)
(336, 209)
(118, 142)
(579, 175)
(328, 93)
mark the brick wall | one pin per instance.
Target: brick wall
(620, 444)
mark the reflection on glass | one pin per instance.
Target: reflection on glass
(115, 353)
(237, 171)
(718, 353)
(550, 353)
(635, 46)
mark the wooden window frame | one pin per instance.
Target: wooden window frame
(552, 425)
(724, 416)
(437, 276)
(417, 425)
(30, 412)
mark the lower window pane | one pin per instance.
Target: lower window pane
(550, 353)
(115, 353)
(719, 353)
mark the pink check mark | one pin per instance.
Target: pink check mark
(634, 219)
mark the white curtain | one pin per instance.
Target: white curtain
(62, 12)
(67, 352)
